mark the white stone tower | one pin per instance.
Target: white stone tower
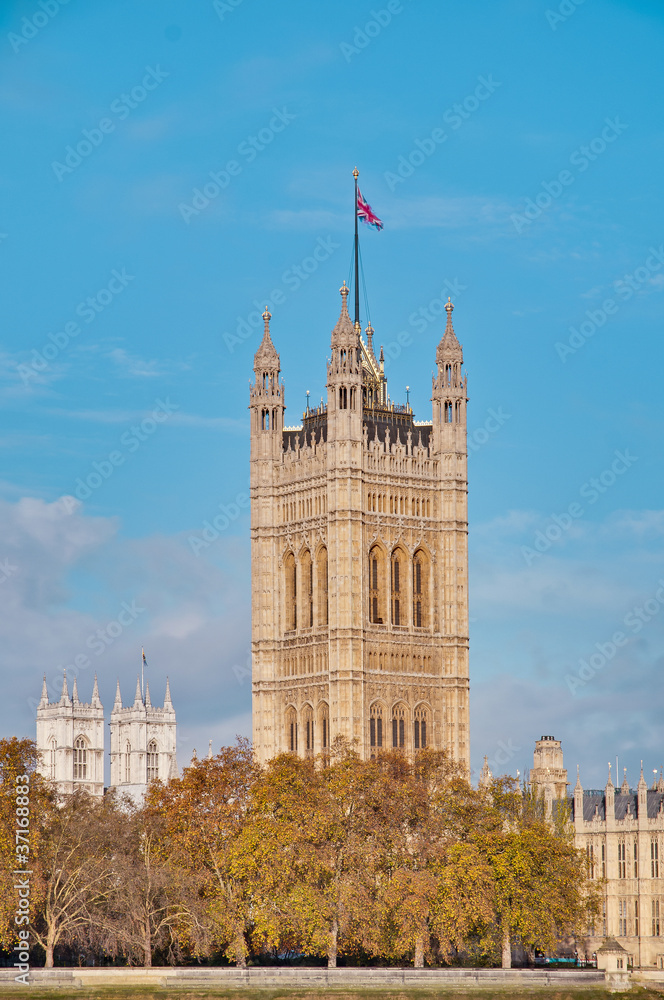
(70, 738)
(359, 558)
(143, 742)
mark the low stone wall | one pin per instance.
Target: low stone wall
(285, 978)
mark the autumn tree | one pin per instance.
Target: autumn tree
(541, 889)
(437, 885)
(316, 842)
(202, 816)
(75, 857)
(152, 904)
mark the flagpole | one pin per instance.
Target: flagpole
(356, 174)
(142, 665)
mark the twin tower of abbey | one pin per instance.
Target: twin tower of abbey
(359, 557)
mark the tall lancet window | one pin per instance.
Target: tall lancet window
(127, 763)
(399, 727)
(376, 586)
(52, 757)
(80, 759)
(420, 590)
(307, 577)
(152, 760)
(308, 730)
(376, 727)
(324, 727)
(322, 596)
(290, 581)
(397, 581)
(420, 728)
(291, 730)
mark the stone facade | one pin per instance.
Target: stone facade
(71, 741)
(621, 831)
(359, 557)
(143, 741)
(70, 737)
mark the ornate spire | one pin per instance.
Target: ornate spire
(660, 783)
(138, 697)
(148, 703)
(266, 357)
(642, 781)
(167, 697)
(64, 697)
(74, 692)
(486, 777)
(96, 700)
(43, 701)
(609, 783)
(624, 788)
(577, 787)
(344, 333)
(369, 330)
(449, 347)
(118, 697)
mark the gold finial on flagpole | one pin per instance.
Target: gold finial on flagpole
(356, 173)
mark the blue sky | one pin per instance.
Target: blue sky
(513, 151)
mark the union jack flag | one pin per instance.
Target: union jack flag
(366, 213)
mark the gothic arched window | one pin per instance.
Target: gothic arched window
(290, 583)
(397, 581)
(307, 578)
(52, 757)
(324, 727)
(127, 762)
(376, 586)
(308, 730)
(420, 728)
(398, 727)
(152, 761)
(420, 590)
(265, 420)
(80, 758)
(291, 730)
(376, 726)
(321, 596)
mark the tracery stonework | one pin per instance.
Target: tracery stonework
(359, 557)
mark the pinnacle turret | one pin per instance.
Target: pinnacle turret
(64, 697)
(43, 701)
(148, 703)
(74, 692)
(118, 697)
(266, 357)
(96, 700)
(449, 348)
(344, 334)
(167, 697)
(138, 697)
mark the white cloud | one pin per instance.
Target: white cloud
(67, 575)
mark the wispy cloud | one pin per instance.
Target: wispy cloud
(132, 366)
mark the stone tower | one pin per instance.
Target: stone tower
(70, 738)
(143, 742)
(548, 776)
(359, 557)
